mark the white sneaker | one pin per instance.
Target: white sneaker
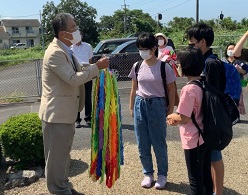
(160, 183)
(147, 181)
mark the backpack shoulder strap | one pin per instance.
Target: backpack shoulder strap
(198, 83)
(137, 67)
(197, 126)
(163, 73)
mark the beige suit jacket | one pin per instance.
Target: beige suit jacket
(63, 93)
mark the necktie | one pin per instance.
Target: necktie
(73, 64)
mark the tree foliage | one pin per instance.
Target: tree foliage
(84, 17)
(179, 24)
(127, 22)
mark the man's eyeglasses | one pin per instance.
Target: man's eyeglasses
(74, 29)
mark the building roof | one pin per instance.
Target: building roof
(20, 22)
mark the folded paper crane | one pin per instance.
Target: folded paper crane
(106, 139)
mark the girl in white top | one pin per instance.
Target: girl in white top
(148, 107)
(163, 48)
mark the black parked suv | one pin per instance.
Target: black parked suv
(109, 45)
(122, 57)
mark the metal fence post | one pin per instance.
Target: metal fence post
(38, 75)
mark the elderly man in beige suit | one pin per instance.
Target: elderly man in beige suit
(62, 97)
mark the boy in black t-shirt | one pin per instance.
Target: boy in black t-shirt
(202, 36)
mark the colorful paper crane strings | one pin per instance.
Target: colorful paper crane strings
(106, 139)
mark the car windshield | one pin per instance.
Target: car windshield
(107, 46)
(97, 47)
(129, 47)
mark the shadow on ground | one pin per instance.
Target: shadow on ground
(184, 188)
(77, 167)
(3, 169)
(181, 188)
(230, 191)
(243, 122)
(127, 127)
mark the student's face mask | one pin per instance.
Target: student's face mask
(160, 42)
(229, 53)
(145, 54)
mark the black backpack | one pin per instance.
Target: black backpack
(217, 132)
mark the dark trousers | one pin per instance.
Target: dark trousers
(198, 162)
(88, 103)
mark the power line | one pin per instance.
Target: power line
(142, 3)
(160, 4)
(176, 6)
(173, 7)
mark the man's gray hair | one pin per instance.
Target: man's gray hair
(60, 21)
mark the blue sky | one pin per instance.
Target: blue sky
(208, 9)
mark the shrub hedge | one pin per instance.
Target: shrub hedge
(21, 140)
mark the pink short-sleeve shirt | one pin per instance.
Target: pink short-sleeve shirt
(190, 101)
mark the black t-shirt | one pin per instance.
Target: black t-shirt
(215, 72)
(244, 55)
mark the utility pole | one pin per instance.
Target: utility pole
(197, 11)
(42, 32)
(125, 16)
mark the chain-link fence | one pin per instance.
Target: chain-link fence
(22, 82)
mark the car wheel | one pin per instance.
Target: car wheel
(115, 72)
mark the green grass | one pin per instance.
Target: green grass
(14, 56)
(12, 98)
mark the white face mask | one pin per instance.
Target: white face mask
(160, 42)
(145, 54)
(76, 37)
(229, 53)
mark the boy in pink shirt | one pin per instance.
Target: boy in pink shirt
(198, 158)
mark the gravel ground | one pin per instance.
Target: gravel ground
(235, 158)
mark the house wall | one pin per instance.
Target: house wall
(31, 38)
(4, 43)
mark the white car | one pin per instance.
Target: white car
(19, 46)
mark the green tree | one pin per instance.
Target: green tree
(212, 23)
(48, 13)
(181, 23)
(84, 16)
(106, 23)
(244, 22)
(135, 21)
(228, 23)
